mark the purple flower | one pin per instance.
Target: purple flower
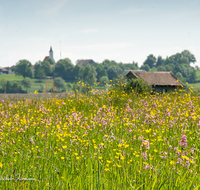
(192, 150)
(31, 140)
(144, 154)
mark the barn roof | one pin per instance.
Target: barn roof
(156, 78)
(3, 69)
(84, 62)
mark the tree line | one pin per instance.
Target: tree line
(178, 64)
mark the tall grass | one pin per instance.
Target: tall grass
(111, 140)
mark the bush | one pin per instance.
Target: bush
(104, 80)
(10, 87)
(59, 83)
(138, 85)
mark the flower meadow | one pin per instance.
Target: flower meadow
(111, 140)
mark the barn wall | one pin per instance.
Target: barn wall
(162, 89)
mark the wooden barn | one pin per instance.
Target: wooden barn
(160, 81)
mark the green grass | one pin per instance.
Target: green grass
(12, 77)
(196, 86)
(198, 75)
(110, 141)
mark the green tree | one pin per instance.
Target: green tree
(153, 69)
(104, 80)
(46, 68)
(26, 83)
(161, 68)
(113, 72)
(51, 62)
(64, 68)
(88, 74)
(39, 72)
(145, 67)
(189, 55)
(179, 75)
(100, 72)
(184, 60)
(192, 76)
(160, 61)
(75, 76)
(24, 68)
(59, 83)
(150, 61)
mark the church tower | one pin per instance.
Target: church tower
(51, 54)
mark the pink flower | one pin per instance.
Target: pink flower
(146, 143)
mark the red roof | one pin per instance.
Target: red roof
(47, 57)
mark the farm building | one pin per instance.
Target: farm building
(160, 81)
(84, 62)
(3, 71)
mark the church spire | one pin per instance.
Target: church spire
(51, 54)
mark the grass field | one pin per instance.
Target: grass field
(35, 84)
(196, 86)
(109, 141)
(198, 75)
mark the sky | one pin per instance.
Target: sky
(120, 30)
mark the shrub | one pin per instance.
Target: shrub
(59, 83)
(138, 85)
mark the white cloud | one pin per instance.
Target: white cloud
(86, 31)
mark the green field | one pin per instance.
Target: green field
(196, 86)
(35, 83)
(198, 75)
(109, 141)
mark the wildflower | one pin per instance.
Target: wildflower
(31, 140)
(146, 143)
(62, 158)
(144, 154)
(1, 165)
(172, 162)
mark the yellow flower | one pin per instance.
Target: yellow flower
(106, 169)
(172, 162)
(62, 158)
(1, 165)
(100, 157)
(119, 166)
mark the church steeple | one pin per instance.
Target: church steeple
(51, 54)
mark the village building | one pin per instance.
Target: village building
(160, 81)
(3, 70)
(84, 62)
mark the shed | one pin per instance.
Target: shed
(160, 81)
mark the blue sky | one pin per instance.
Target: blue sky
(120, 30)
